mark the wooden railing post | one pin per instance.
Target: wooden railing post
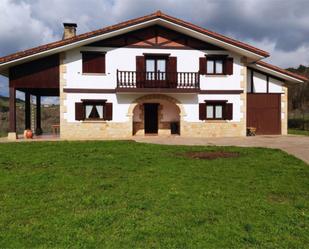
(133, 79)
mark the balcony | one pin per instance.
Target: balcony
(132, 81)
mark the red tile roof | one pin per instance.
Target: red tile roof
(283, 71)
(125, 24)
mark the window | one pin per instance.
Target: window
(215, 66)
(156, 68)
(218, 111)
(214, 111)
(209, 111)
(94, 111)
(93, 62)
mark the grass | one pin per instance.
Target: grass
(298, 132)
(132, 195)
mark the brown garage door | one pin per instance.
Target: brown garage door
(264, 112)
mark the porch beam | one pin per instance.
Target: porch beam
(38, 130)
(27, 111)
(12, 114)
(12, 109)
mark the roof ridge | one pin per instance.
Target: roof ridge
(157, 14)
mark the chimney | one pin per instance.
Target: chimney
(69, 30)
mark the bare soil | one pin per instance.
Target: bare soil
(209, 155)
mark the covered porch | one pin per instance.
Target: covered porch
(39, 78)
(32, 115)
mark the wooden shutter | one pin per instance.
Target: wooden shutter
(229, 111)
(172, 71)
(108, 111)
(140, 70)
(203, 62)
(93, 62)
(202, 111)
(79, 111)
(229, 66)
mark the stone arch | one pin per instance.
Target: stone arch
(159, 97)
(139, 101)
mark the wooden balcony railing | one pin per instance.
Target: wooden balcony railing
(180, 80)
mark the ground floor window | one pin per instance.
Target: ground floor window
(214, 111)
(94, 111)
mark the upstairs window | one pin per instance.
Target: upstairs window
(214, 66)
(93, 62)
(156, 67)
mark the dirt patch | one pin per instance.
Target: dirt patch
(209, 155)
(278, 198)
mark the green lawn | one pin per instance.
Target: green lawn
(132, 195)
(298, 132)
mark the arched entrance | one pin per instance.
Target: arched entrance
(156, 114)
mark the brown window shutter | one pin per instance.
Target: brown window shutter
(229, 111)
(172, 71)
(202, 111)
(140, 70)
(93, 62)
(229, 66)
(79, 111)
(108, 111)
(203, 62)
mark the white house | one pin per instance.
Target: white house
(152, 75)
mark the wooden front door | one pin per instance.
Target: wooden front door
(264, 113)
(151, 118)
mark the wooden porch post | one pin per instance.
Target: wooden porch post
(27, 111)
(12, 114)
(38, 130)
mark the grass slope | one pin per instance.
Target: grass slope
(132, 195)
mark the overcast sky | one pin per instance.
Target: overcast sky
(280, 27)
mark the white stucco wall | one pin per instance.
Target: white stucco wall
(125, 59)
(121, 104)
(275, 86)
(260, 83)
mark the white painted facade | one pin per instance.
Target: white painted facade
(125, 59)
(260, 83)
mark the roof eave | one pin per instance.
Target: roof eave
(275, 73)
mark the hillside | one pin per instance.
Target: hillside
(50, 115)
(299, 94)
